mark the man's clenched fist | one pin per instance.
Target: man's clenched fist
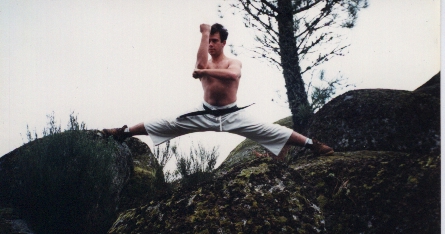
(204, 28)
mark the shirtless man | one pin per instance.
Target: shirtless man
(220, 77)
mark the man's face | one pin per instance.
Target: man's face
(215, 44)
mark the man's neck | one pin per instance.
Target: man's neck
(218, 58)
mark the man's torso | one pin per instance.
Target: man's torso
(219, 92)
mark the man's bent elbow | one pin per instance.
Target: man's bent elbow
(200, 66)
(234, 76)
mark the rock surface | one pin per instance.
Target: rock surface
(431, 87)
(379, 119)
(11, 222)
(146, 179)
(358, 192)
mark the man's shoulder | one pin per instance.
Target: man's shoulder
(234, 61)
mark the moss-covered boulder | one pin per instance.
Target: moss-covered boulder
(75, 181)
(146, 180)
(377, 191)
(244, 151)
(379, 119)
(359, 192)
(256, 197)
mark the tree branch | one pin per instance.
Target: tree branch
(323, 58)
(257, 18)
(261, 10)
(272, 7)
(307, 7)
(311, 27)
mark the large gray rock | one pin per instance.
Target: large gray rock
(432, 86)
(11, 222)
(146, 181)
(379, 119)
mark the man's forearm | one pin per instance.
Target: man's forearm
(203, 53)
(223, 74)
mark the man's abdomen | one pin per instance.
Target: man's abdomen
(219, 93)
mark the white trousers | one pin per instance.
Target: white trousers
(272, 136)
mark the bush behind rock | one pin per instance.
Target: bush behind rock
(67, 182)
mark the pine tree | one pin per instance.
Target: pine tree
(291, 32)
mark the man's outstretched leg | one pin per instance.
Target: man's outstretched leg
(296, 139)
(125, 132)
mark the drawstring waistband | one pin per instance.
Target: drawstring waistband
(216, 113)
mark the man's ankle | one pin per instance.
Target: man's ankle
(309, 143)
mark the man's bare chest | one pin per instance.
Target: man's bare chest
(219, 65)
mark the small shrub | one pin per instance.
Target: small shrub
(163, 153)
(52, 127)
(198, 166)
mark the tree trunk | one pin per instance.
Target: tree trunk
(296, 93)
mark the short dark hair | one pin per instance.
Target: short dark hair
(223, 33)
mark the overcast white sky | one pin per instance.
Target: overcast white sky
(124, 62)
